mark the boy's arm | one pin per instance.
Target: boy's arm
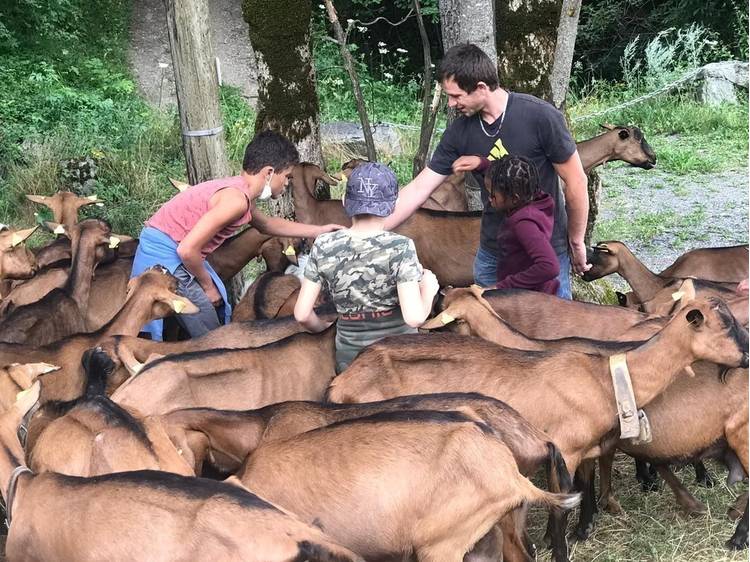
(415, 298)
(536, 245)
(276, 226)
(304, 311)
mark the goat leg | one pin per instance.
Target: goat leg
(702, 477)
(584, 481)
(647, 476)
(735, 510)
(686, 500)
(739, 538)
(607, 499)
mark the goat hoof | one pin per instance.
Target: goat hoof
(650, 485)
(736, 543)
(582, 534)
(613, 507)
(696, 510)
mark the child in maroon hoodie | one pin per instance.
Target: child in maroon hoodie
(526, 258)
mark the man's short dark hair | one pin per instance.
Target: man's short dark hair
(269, 148)
(468, 65)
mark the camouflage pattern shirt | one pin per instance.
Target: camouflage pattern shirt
(361, 271)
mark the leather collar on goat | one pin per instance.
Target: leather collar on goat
(633, 422)
(12, 491)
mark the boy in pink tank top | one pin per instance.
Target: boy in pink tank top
(191, 225)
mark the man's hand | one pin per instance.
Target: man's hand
(466, 164)
(578, 257)
(428, 285)
(743, 286)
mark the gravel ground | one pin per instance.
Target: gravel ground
(662, 215)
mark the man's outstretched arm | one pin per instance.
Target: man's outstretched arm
(413, 194)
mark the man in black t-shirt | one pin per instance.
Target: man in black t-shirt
(495, 122)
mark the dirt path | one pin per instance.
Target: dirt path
(661, 215)
(149, 49)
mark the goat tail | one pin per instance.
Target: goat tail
(558, 476)
(552, 500)
(98, 366)
(328, 552)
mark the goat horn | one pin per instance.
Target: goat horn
(689, 370)
(114, 241)
(290, 251)
(178, 306)
(59, 229)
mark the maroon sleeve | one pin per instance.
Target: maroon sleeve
(545, 265)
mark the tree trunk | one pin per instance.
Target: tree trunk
(469, 21)
(197, 90)
(566, 42)
(527, 33)
(280, 35)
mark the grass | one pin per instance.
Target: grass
(653, 528)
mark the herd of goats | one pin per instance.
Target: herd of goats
(243, 444)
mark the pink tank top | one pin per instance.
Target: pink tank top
(178, 215)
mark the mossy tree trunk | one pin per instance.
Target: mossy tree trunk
(280, 35)
(526, 38)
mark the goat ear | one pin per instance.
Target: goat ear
(695, 317)
(25, 374)
(41, 199)
(623, 134)
(607, 126)
(20, 235)
(178, 185)
(438, 321)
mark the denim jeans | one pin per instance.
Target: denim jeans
(485, 271)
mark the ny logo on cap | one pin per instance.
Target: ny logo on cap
(369, 188)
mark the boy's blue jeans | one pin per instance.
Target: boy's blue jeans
(485, 272)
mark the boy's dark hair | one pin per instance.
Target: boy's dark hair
(269, 148)
(514, 177)
(468, 65)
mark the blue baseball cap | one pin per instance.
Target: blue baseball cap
(372, 189)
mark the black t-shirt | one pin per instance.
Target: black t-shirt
(530, 127)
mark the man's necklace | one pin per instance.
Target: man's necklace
(500, 126)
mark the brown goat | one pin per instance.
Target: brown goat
(396, 483)
(542, 316)
(16, 260)
(615, 257)
(271, 295)
(92, 435)
(466, 312)
(695, 417)
(580, 412)
(149, 514)
(299, 367)
(236, 335)
(726, 264)
(64, 205)
(228, 437)
(152, 295)
(235, 253)
(618, 143)
(671, 297)
(62, 311)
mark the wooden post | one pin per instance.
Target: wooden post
(197, 89)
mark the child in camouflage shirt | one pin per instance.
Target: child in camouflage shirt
(373, 275)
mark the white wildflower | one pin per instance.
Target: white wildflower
(381, 44)
(400, 50)
(321, 6)
(362, 28)
(388, 75)
(382, 51)
(350, 21)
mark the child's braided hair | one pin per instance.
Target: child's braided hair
(514, 177)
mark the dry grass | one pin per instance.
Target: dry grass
(653, 528)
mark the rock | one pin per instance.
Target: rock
(349, 137)
(720, 81)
